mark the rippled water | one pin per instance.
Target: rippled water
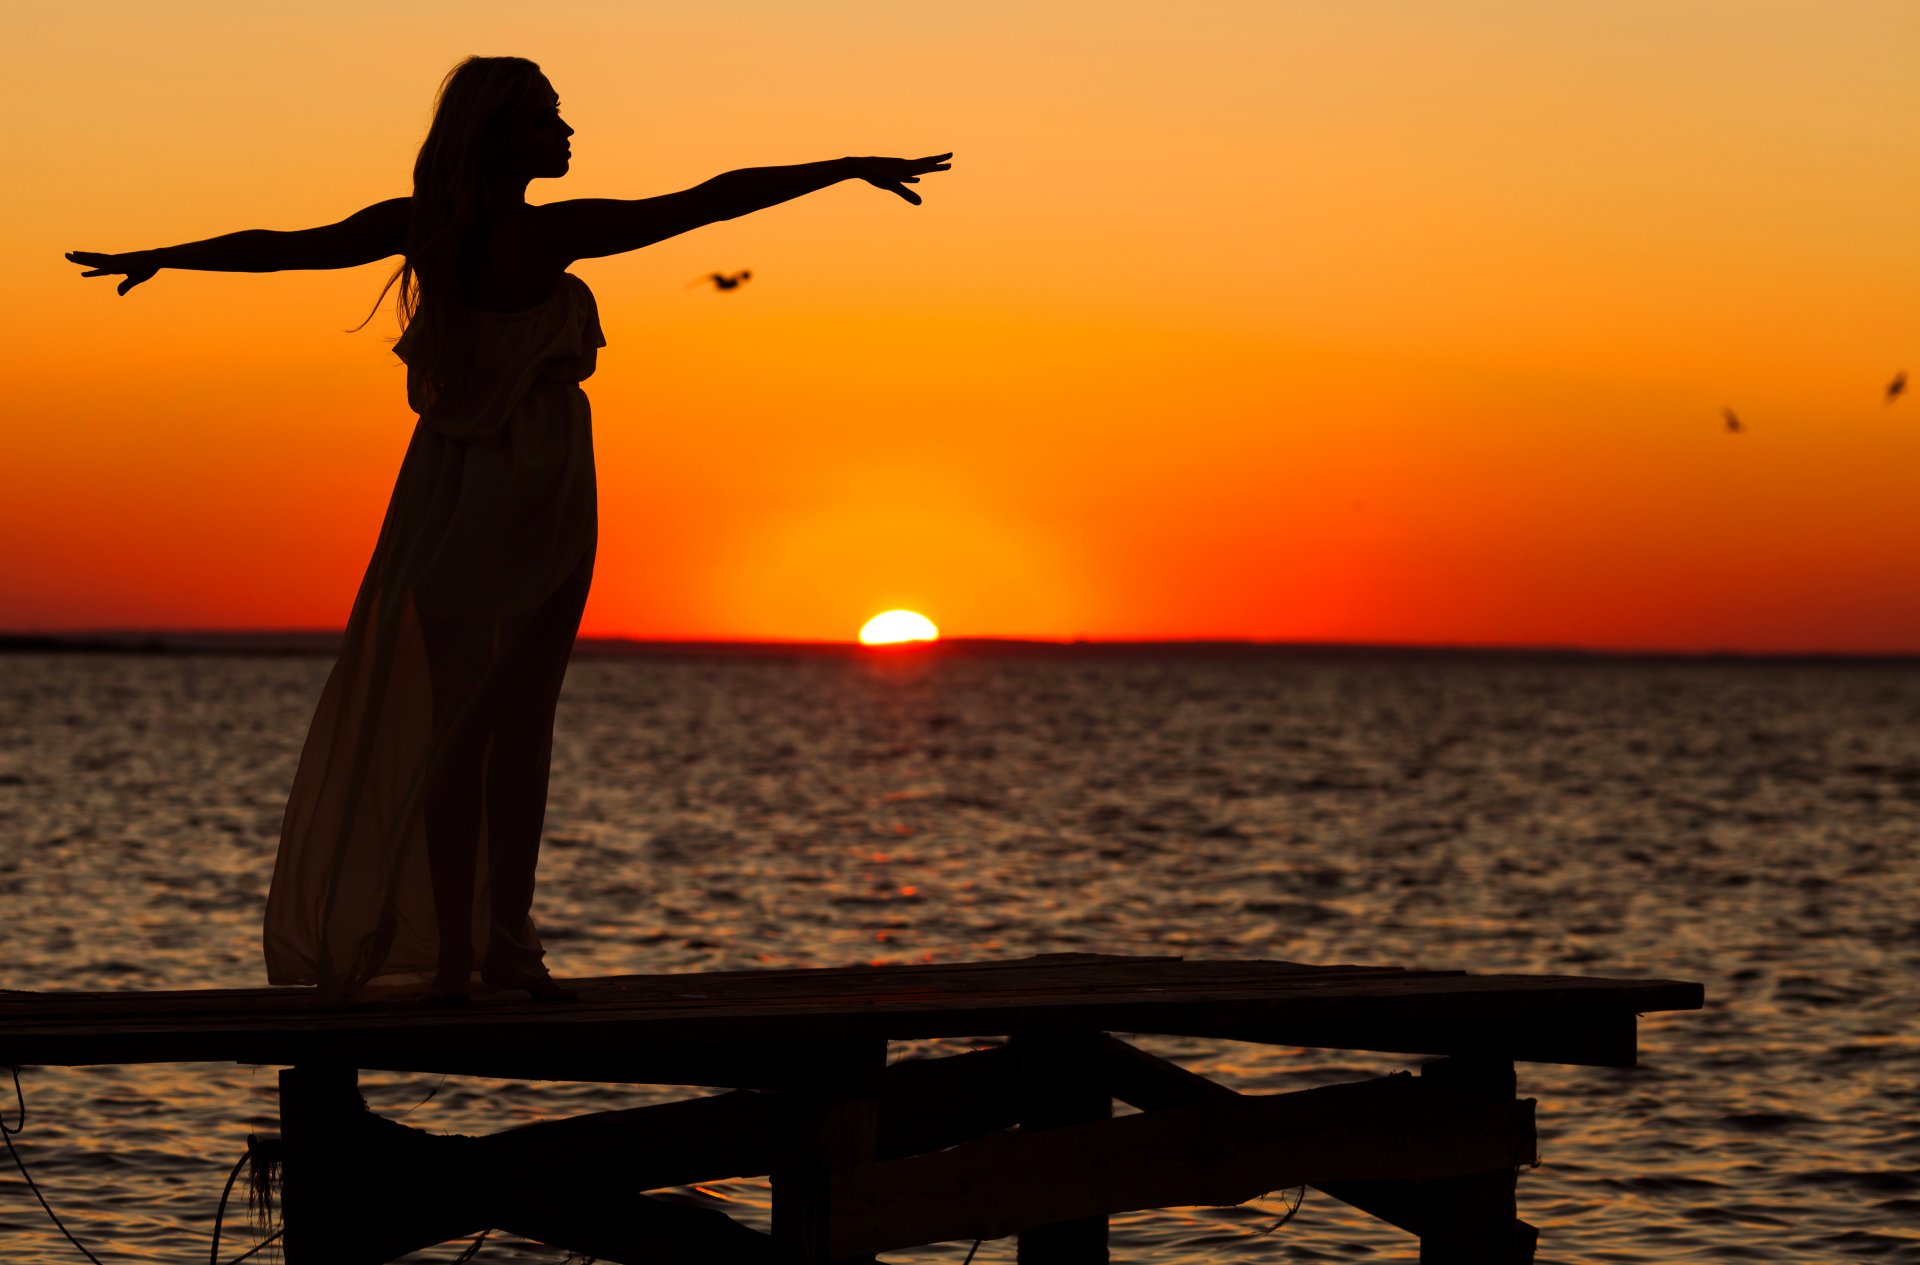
(1749, 826)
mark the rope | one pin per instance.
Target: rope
(213, 1256)
(423, 1102)
(1297, 1201)
(8, 1130)
(256, 1247)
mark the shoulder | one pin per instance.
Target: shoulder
(381, 227)
(555, 224)
(394, 214)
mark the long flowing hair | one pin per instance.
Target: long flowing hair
(449, 217)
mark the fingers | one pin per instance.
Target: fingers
(99, 264)
(920, 166)
(904, 192)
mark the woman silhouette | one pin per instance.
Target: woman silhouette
(408, 850)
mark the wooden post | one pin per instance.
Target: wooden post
(1472, 1220)
(314, 1195)
(1062, 1081)
(831, 1124)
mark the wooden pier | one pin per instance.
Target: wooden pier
(1017, 1138)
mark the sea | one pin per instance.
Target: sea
(1747, 824)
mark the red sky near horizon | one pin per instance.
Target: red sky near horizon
(1348, 320)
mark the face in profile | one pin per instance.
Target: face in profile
(535, 136)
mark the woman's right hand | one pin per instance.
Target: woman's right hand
(136, 266)
(895, 174)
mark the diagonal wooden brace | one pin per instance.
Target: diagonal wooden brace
(1219, 1151)
(362, 1190)
(1150, 1083)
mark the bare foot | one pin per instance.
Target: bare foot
(453, 981)
(535, 981)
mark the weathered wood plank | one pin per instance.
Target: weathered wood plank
(783, 1065)
(651, 1024)
(1214, 1152)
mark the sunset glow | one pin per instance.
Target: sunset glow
(891, 627)
(1313, 321)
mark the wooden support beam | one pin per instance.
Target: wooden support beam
(1151, 1083)
(1582, 1039)
(1469, 1219)
(361, 1189)
(412, 1188)
(824, 1130)
(641, 1148)
(1219, 1152)
(929, 1104)
(633, 1229)
(1060, 1085)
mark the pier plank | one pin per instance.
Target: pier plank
(668, 1018)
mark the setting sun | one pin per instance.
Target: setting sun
(890, 627)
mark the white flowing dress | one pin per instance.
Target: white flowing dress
(491, 530)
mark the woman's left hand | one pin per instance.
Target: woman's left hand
(135, 266)
(895, 174)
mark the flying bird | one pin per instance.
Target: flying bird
(722, 280)
(1733, 421)
(1895, 387)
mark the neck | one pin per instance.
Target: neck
(505, 193)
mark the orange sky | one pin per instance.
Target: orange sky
(1356, 321)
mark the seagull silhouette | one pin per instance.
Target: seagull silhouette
(723, 281)
(1895, 387)
(1733, 421)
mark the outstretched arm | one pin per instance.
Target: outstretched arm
(587, 228)
(374, 233)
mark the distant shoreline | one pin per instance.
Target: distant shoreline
(308, 643)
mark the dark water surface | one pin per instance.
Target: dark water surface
(1752, 827)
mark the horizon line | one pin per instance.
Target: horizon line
(309, 641)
